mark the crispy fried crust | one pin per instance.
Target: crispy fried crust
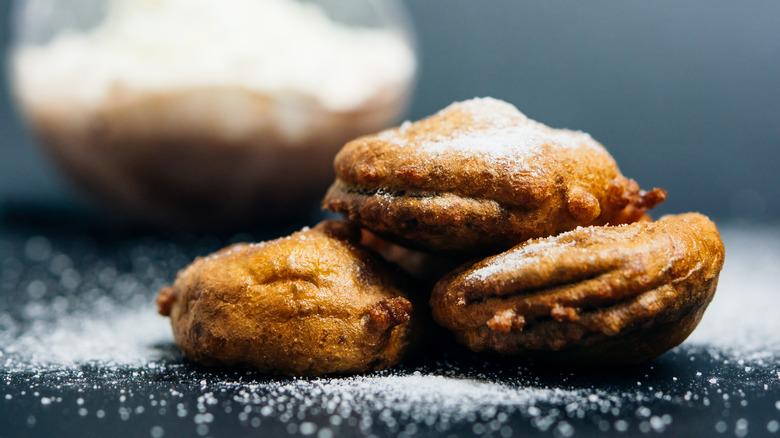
(309, 304)
(424, 267)
(604, 294)
(480, 176)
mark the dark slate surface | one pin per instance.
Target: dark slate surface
(694, 390)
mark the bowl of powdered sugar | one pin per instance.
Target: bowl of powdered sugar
(207, 114)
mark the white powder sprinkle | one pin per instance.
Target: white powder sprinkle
(126, 339)
(516, 259)
(418, 400)
(108, 334)
(85, 309)
(498, 131)
(744, 316)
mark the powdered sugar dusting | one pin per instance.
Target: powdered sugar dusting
(108, 315)
(81, 335)
(517, 143)
(79, 307)
(129, 338)
(494, 129)
(744, 316)
(427, 394)
(515, 259)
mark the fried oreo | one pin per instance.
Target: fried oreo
(602, 294)
(309, 304)
(479, 176)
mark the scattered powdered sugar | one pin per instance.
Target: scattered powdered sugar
(108, 333)
(744, 316)
(427, 394)
(427, 399)
(79, 333)
(419, 394)
(69, 306)
(76, 314)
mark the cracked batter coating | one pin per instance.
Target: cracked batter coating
(309, 304)
(604, 294)
(479, 176)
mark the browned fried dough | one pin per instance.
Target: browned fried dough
(312, 303)
(603, 294)
(425, 267)
(480, 176)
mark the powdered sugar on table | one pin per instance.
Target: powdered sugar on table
(79, 332)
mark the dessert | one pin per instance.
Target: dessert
(480, 177)
(311, 303)
(601, 294)
(585, 275)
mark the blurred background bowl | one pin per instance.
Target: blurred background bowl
(684, 95)
(202, 114)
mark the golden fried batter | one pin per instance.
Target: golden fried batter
(480, 176)
(424, 267)
(604, 294)
(309, 304)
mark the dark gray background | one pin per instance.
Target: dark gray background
(684, 94)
